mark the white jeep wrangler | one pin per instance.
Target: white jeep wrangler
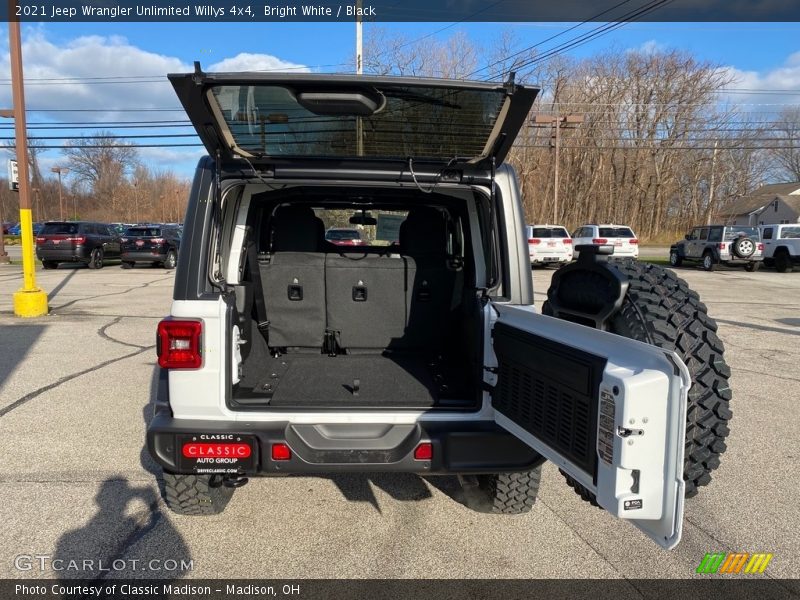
(417, 350)
(781, 246)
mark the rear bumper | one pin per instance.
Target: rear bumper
(68, 253)
(144, 256)
(458, 447)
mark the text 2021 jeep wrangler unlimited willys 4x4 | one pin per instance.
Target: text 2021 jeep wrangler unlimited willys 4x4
(419, 350)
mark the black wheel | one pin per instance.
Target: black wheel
(660, 309)
(769, 262)
(782, 262)
(708, 261)
(49, 264)
(505, 493)
(96, 259)
(171, 260)
(752, 266)
(126, 264)
(195, 495)
(675, 259)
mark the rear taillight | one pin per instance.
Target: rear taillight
(599, 241)
(157, 240)
(761, 246)
(40, 240)
(78, 239)
(722, 246)
(423, 451)
(281, 451)
(534, 241)
(567, 240)
(633, 241)
(178, 344)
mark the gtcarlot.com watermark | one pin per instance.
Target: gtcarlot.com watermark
(45, 563)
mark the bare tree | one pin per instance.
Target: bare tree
(786, 131)
(102, 163)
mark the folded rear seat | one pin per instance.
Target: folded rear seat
(366, 300)
(294, 280)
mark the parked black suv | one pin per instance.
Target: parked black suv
(719, 244)
(76, 241)
(154, 244)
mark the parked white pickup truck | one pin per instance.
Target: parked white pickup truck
(781, 246)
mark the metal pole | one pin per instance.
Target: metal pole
(557, 124)
(359, 71)
(4, 259)
(29, 301)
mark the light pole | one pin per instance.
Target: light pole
(29, 301)
(60, 170)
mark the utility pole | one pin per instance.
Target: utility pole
(557, 122)
(29, 301)
(712, 184)
(60, 170)
(359, 71)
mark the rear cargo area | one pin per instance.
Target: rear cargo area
(384, 324)
(353, 381)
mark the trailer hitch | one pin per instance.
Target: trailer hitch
(229, 481)
(589, 291)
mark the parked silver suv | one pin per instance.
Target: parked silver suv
(287, 354)
(711, 245)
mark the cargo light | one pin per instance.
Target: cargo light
(281, 451)
(423, 451)
(178, 344)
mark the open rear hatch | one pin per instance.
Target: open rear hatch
(267, 117)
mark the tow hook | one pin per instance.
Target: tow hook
(234, 481)
(229, 481)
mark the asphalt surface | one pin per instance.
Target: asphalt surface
(76, 484)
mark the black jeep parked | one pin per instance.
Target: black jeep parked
(76, 241)
(154, 244)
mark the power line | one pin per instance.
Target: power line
(552, 37)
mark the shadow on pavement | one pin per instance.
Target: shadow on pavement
(129, 535)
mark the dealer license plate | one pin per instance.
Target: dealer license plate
(217, 453)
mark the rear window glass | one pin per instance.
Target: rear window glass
(422, 122)
(380, 227)
(548, 232)
(143, 232)
(732, 233)
(616, 232)
(343, 235)
(59, 228)
(790, 232)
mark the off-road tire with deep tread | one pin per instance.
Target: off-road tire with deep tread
(509, 493)
(660, 309)
(783, 262)
(192, 495)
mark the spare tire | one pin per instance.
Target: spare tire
(743, 247)
(661, 310)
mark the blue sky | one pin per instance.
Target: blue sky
(761, 55)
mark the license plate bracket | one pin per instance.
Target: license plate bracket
(217, 453)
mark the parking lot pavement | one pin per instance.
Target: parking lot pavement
(74, 392)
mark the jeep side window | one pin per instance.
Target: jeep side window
(715, 235)
(767, 233)
(703, 234)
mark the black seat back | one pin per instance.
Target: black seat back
(294, 279)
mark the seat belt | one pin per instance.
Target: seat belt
(258, 291)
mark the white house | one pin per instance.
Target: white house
(769, 204)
